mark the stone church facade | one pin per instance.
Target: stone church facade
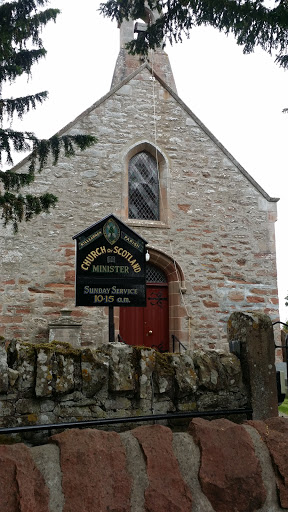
(208, 224)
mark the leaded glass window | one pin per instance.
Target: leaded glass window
(143, 187)
(154, 274)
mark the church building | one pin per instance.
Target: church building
(208, 225)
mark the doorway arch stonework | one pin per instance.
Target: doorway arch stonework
(176, 287)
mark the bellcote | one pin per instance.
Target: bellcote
(126, 63)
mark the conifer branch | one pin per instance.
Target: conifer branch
(250, 21)
(21, 22)
(16, 208)
(18, 140)
(20, 106)
(44, 147)
(19, 62)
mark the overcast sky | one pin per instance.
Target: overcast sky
(238, 97)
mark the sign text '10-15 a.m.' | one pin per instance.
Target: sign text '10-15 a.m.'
(110, 265)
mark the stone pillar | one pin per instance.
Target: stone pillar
(252, 335)
(65, 329)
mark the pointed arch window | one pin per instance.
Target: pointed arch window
(143, 179)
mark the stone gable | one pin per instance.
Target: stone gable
(216, 223)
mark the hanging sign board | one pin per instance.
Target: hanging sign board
(110, 265)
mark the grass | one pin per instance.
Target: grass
(284, 407)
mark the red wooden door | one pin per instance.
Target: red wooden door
(148, 326)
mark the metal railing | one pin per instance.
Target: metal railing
(180, 345)
(280, 393)
(130, 419)
(284, 347)
(160, 347)
(121, 340)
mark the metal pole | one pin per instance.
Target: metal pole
(125, 419)
(111, 325)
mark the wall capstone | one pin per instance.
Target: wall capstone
(217, 466)
(254, 331)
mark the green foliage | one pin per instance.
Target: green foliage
(252, 22)
(15, 208)
(20, 105)
(21, 46)
(283, 408)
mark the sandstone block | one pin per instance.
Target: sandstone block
(227, 447)
(46, 458)
(22, 485)
(101, 455)
(254, 332)
(167, 490)
(274, 432)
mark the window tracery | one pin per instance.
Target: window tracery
(143, 184)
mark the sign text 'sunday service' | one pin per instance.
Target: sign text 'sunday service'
(110, 265)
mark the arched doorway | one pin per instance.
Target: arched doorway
(148, 326)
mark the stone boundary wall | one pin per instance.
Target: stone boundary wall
(53, 383)
(216, 466)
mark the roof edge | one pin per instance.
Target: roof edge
(212, 137)
(86, 111)
(183, 105)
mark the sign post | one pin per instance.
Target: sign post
(110, 267)
(111, 325)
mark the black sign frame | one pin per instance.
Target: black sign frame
(110, 265)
